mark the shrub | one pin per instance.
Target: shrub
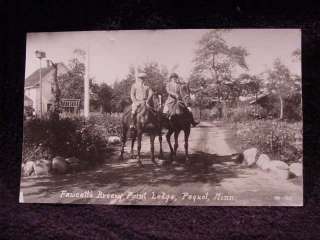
(108, 124)
(282, 140)
(245, 113)
(46, 138)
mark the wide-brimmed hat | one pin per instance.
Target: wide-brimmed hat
(174, 75)
(141, 75)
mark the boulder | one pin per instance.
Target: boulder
(280, 174)
(42, 167)
(114, 139)
(250, 156)
(28, 168)
(278, 168)
(263, 161)
(296, 169)
(59, 165)
(73, 162)
(277, 164)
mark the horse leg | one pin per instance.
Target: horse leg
(176, 145)
(124, 140)
(186, 141)
(152, 137)
(168, 136)
(132, 145)
(160, 143)
(139, 135)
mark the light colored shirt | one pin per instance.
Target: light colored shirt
(139, 92)
(173, 88)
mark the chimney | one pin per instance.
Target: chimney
(48, 63)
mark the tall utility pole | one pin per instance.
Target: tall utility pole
(40, 55)
(86, 87)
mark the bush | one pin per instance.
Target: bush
(46, 138)
(108, 124)
(282, 140)
(245, 113)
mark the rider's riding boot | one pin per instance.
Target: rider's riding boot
(167, 115)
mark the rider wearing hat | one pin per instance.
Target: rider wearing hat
(173, 89)
(139, 94)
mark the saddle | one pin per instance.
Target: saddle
(178, 108)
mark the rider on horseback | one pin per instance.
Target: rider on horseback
(140, 93)
(173, 89)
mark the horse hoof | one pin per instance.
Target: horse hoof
(140, 164)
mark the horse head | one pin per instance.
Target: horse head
(185, 94)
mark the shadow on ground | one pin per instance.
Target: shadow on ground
(203, 168)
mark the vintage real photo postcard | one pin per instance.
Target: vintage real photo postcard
(193, 117)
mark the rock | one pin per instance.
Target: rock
(263, 161)
(280, 173)
(296, 169)
(45, 162)
(59, 165)
(42, 167)
(278, 168)
(114, 139)
(276, 164)
(28, 168)
(250, 156)
(73, 162)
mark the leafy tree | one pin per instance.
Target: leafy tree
(156, 77)
(216, 58)
(121, 92)
(105, 94)
(215, 62)
(250, 84)
(72, 83)
(280, 83)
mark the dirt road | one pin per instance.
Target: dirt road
(213, 178)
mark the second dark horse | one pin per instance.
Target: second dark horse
(150, 120)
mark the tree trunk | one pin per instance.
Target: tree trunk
(57, 94)
(281, 107)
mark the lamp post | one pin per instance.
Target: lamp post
(40, 55)
(86, 107)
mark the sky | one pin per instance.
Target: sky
(111, 53)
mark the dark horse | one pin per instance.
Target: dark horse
(148, 121)
(180, 121)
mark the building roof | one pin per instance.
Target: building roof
(34, 78)
(27, 101)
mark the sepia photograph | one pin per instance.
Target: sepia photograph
(183, 117)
